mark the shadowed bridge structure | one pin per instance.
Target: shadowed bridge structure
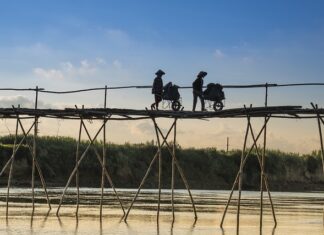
(106, 114)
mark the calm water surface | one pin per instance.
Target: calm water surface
(297, 213)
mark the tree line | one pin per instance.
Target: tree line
(205, 168)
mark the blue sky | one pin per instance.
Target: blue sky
(62, 45)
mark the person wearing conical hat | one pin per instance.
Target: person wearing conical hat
(157, 89)
(197, 90)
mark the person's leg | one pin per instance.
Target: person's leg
(194, 101)
(158, 99)
(202, 101)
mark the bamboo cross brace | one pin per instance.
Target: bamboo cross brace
(105, 169)
(39, 170)
(241, 177)
(14, 152)
(11, 170)
(172, 168)
(319, 120)
(238, 173)
(77, 166)
(264, 175)
(147, 172)
(77, 155)
(160, 167)
(172, 152)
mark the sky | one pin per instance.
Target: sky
(67, 45)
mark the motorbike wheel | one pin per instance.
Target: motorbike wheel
(176, 105)
(218, 105)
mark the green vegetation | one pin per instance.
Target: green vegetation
(204, 168)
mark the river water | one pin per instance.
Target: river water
(297, 213)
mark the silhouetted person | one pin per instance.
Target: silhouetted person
(157, 89)
(197, 91)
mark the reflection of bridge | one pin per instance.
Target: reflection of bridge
(105, 115)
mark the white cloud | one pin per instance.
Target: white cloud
(23, 101)
(247, 60)
(218, 54)
(68, 70)
(142, 128)
(117, 64)
(49, 73)
(118, 37)
(100, 61)
(85, 64)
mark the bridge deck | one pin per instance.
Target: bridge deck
(131, 114)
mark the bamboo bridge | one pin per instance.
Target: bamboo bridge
(106, 114)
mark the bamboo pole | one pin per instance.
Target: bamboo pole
(39, 170)
(13, 154)
(34, 152)
(76, 167)
(319, 120)
(263, 159)
(187, 186)
(141, 185)
(146, 174)
(103, 158)
(160, 167)
(237, 175)
(180, 172)
(265, 178)
(105, 170)
(77, 174)
(172, 167)
(240, 178)
(11, 168)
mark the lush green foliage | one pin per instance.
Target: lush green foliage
(204, 168)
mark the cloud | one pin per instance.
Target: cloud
(117, 64)
(49, 73)
(247, 60)
(142, 128)
(118, 37)
(218, 54)
(68, 70)
(23, 101)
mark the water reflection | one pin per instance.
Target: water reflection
(297, 213)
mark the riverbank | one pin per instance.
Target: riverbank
(204, 168)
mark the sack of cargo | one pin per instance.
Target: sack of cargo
(214, 92)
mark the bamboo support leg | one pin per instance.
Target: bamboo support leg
(75, 169)
(186, 184)
(262, 176)
(13, 154)
(103, 165)
(179, 169)
(172, 168)
(33, 166)
(141, 184)
(77, 174)
(160, 167)
(104, 169)
(229, 199)
(238, 174)
(319, 120)
(31, 150)
(240, 179)
(146, 174)
(265, 178)
(110, 182)
(11, 169)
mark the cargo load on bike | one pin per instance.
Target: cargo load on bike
(215, 94)
(171, 93)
